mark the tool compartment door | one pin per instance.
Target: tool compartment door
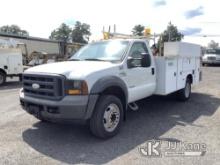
(166, 75)
(171, 75)
(14, 63)
(197, 71)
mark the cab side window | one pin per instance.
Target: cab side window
(139, 51)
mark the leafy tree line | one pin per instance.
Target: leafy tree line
(171, 33)
(80, 33)
(13, 29)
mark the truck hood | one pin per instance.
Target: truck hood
(209, 55)
(72, 69)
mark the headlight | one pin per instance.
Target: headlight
(204, 57)
(76, 87)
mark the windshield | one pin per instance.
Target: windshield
(103, 51)
(213, 51)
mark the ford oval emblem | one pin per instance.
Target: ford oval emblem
(35, 86)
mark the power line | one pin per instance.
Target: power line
(210, 22)
(204, 35)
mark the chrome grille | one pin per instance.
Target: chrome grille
(211, 58)
(48, 86)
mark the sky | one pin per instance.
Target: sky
(194, 18)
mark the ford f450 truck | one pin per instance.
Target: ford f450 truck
(103, 79)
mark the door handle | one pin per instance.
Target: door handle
(152, 71)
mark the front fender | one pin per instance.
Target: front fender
(109, 81)
(100, 86)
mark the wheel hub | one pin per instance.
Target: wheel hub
(111, 117)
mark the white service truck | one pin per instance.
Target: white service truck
(103, 79)
(10, 63)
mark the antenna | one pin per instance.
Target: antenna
(109, 28)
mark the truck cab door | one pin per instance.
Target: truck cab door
(141, 77)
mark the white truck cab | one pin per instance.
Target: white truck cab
(211, 56)
(103, 79)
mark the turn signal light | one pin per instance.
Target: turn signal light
(77, 87)
(74, 92)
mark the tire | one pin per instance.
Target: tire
(42, 120)
(107, 107)
(2, 78)
(184, 94)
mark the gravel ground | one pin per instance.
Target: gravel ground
(25, 140)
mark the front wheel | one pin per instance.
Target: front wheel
(184, 94)
(107, 117)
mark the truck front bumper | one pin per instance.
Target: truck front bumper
(69, 109)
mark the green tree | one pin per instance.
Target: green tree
(13, 29)
(62, 33)
(212, 44)
(138, 30)
(81, 32)
(171, 34)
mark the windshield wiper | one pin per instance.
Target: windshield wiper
(93, 59)
(74, 59)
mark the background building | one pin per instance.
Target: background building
(30, 45)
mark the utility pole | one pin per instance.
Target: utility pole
(169, 32)
(169, 35)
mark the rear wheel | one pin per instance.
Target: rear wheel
(184, 94)
(2, 78)
(107, 117)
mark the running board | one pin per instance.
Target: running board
(133, 106)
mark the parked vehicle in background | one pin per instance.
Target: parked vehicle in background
(99, 83)
(39, 58)
(10, 63)
(211, 56)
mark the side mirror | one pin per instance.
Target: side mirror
(133, 62)
(143, 61)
